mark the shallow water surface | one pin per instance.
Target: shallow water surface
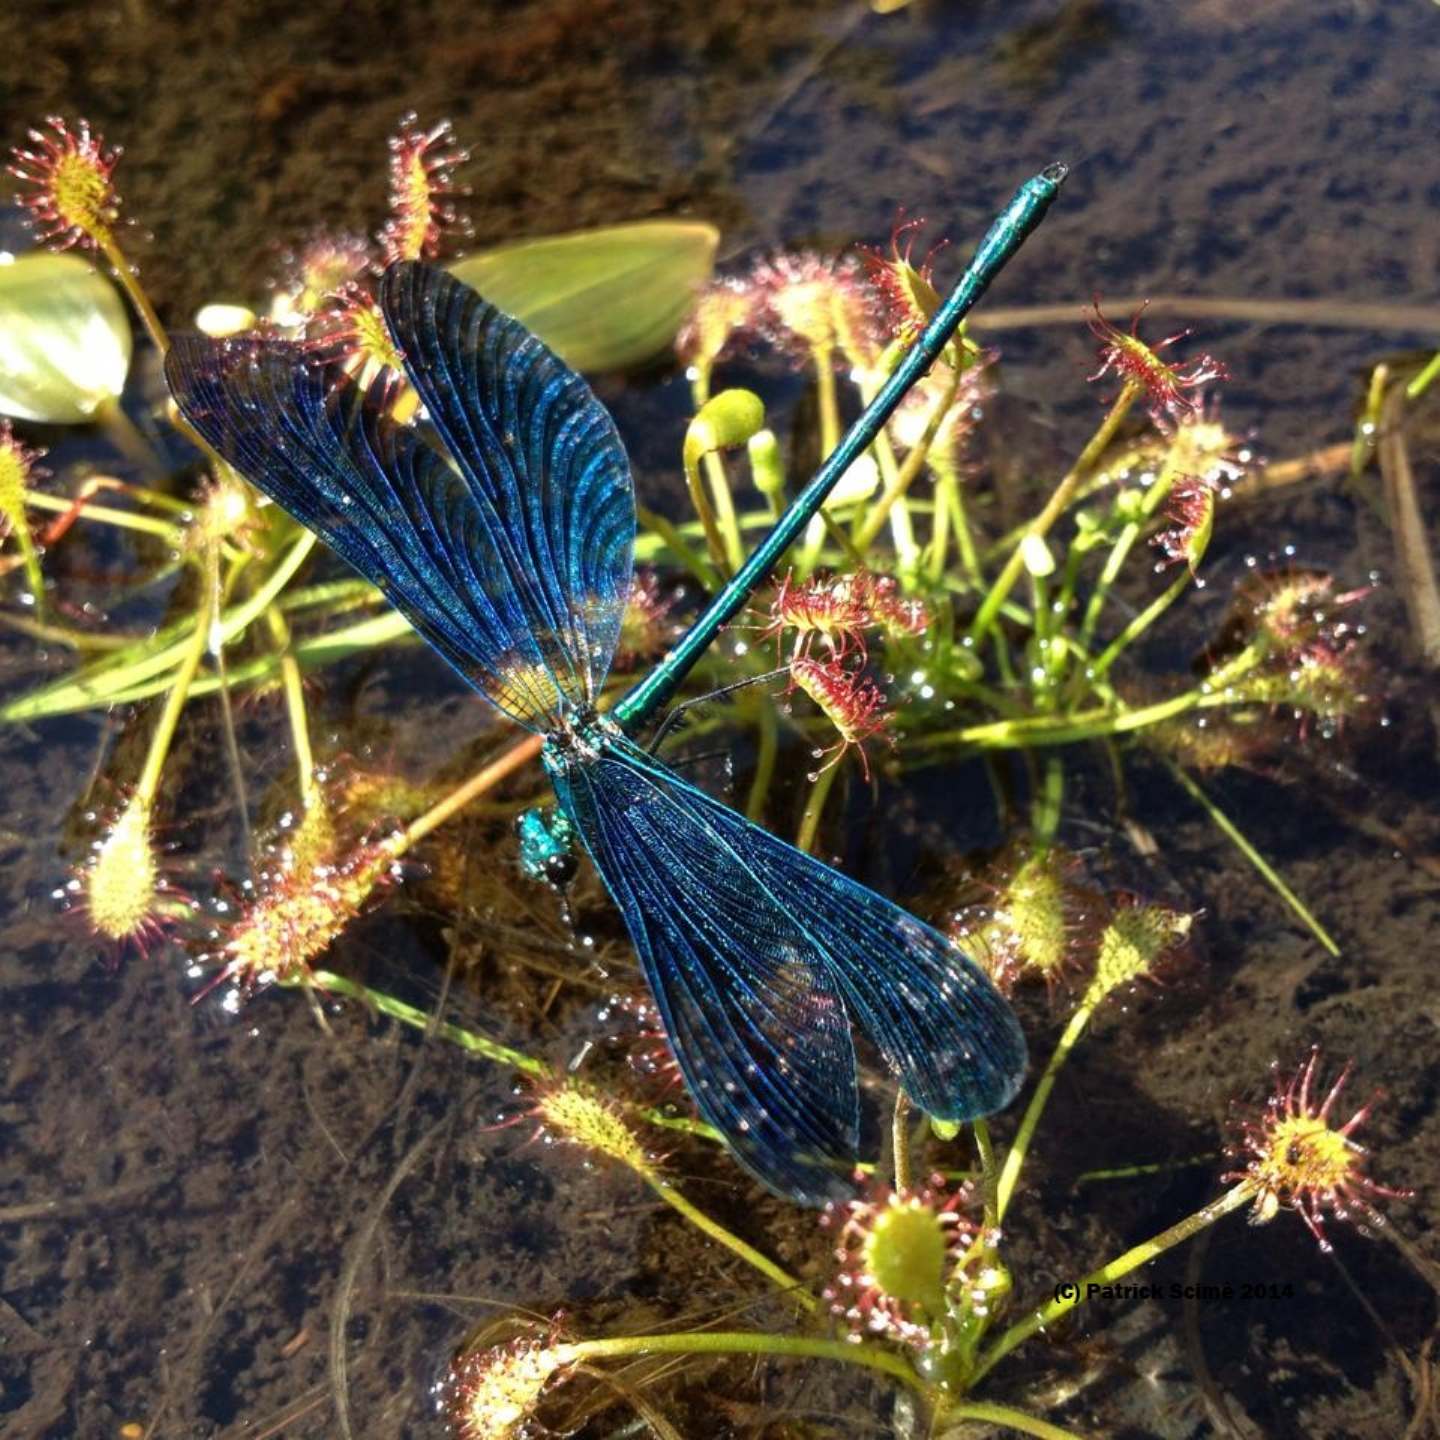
(209, 1222)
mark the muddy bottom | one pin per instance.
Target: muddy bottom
(283, 1221)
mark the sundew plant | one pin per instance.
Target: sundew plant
(904, 635)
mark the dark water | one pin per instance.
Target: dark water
(188, 1201)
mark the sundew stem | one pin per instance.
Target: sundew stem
(294, 690)
(329, 982)
(130, 281)
(1005, 1416)
(865, 532)
(744, 1342)
(767, 751)
(1139, 625)
(950, 502)
(815, 808)
(777, 1275)
(1424, 380)
(1020, 1147)
(1055, 507)
(989, 1172)
(671, 538)
(1107, 1274)
(148, 785)
(82, 640)
(1233, 833)
(1120, 552)
(107, 515)
(30, 560)
(1093, 724)
(476, 1044)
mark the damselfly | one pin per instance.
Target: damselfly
(500, 523)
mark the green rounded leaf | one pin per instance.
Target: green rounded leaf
(64, 339)
(600, 299)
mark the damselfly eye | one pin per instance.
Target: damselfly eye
(560, 870)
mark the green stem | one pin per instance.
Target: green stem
(1139, 625)
(108, 515)
(989, 1172)
(333, 984)
(765, 757)
(30, 559)
(951, 495)
(1120, 551)
(869, 528)
(1015, 1157)
(1047, 806)
(815, 807)
(149, 783)
(1092, 724)
(132, 287)
(476, 1044)
(1424, 380)
(1226, 826)
(743, 1342)
(1056, 506)
(778, 1276)
(1011, 1419)
(1107, 1274)
(70, 639)
(670, 536)
(294, 690)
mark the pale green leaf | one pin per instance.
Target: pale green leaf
(64, 339)
(601, 299)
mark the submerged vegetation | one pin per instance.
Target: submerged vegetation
(907, 632)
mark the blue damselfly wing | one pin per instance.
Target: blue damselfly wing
(501, 525)
(502, 532)
(759, 957)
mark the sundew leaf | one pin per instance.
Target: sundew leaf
(600, 299)
(65, 339)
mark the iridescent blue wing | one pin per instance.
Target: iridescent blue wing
(759, 956)
(539, 454)
(749, 1006)
(513, 560)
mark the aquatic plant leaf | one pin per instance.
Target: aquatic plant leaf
(600, 299)
(65, 339)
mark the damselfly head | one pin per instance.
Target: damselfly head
(547, 846)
